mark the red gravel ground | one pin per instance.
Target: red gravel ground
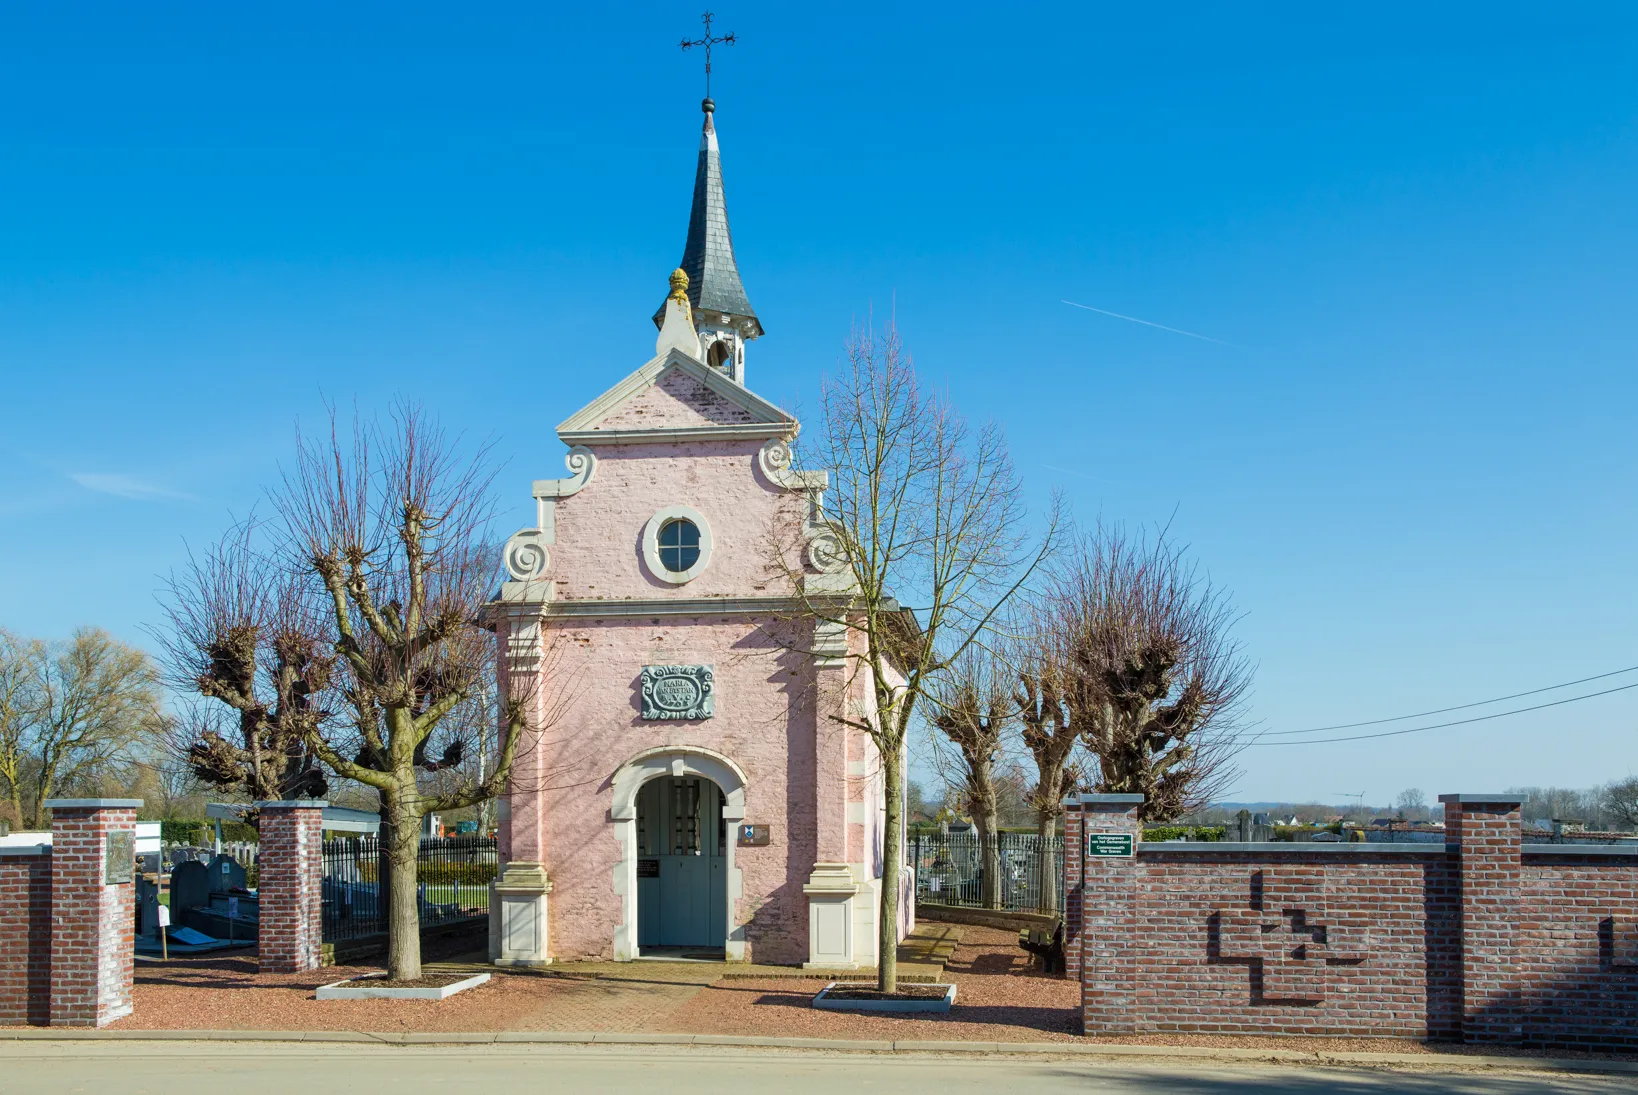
(230, 994)
(998, 999)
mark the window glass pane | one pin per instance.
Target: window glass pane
(679, 545)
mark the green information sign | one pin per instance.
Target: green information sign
(1109, 844)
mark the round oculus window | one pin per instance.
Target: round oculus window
(679, 544)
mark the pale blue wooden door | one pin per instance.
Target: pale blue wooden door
(681, 868)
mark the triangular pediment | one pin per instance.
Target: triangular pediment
(671, 398)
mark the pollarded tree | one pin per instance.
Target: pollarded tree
(1051, 739)
(920, 506)
(1151, 675)
(385, 541)
(241, 640)
(970, 709)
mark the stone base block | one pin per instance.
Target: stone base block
(831, 890)
(518, 917)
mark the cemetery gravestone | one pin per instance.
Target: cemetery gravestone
(190, 889)
(1249, 827)
(147, 896)
(226, 875)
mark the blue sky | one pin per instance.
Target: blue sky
(1410, 228)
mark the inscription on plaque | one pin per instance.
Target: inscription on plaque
(678, 692)
(119, 857)
(753, 836)
(1109, 845)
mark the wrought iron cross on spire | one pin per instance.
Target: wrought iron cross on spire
(708, 42)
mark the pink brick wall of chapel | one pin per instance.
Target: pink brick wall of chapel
(796, 764)
(599, 552)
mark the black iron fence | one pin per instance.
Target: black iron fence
(950, 870)
(452, 883)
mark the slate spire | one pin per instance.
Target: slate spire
(714, 289)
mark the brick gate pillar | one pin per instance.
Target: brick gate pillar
(93, 909)
(1487, 835)
(289, 887)
(1108, 953)
(25, 935)
(1072, 887)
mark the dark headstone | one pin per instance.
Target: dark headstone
(226, 875)
(147, 895)
(190, 887)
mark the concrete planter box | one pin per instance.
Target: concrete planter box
(923, 1003)
(359, 988)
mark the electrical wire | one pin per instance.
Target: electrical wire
(1458, 707)
(1457, 722)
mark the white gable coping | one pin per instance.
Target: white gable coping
(768, 420)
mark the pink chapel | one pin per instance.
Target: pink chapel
(692, 793)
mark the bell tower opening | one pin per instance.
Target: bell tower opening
(721, 356)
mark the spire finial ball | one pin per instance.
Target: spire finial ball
(708, 106)
(679, 285)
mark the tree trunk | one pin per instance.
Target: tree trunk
(1046, 829)
(887, 941)
(403, 904)
(37, 815)
(989, 844)
(383, 863)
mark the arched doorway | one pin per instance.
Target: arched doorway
(630, 782)
(682, 867)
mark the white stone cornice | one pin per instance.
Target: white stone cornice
(775, 461)
(582, 465)
(738, 431)
(767, 420)
(676, 606)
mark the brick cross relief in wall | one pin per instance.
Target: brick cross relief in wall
(1285, 937)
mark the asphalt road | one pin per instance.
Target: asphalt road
(226, 1068)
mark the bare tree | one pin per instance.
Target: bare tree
(1152, 677)
(1411, 802)
(244, 638)
(1620, 802)
(71, 714)
(380, 566)
(1051, 738)
(920, 505)
(970, 707)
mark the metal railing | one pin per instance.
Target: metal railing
(950, 870)
(452, 881)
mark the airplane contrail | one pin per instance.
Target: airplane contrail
(1146, 323)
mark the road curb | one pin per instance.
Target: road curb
(1439, 1061)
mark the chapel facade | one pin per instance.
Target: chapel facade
(692, 792)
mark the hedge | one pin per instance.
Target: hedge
(439, 874)
(204, 832)
(1184, 832)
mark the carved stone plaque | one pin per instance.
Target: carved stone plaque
(678, 692)
(119, 857)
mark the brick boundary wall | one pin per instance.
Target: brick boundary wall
(25, 936)
(93, 922)
(1482, 939)
(290, 931)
